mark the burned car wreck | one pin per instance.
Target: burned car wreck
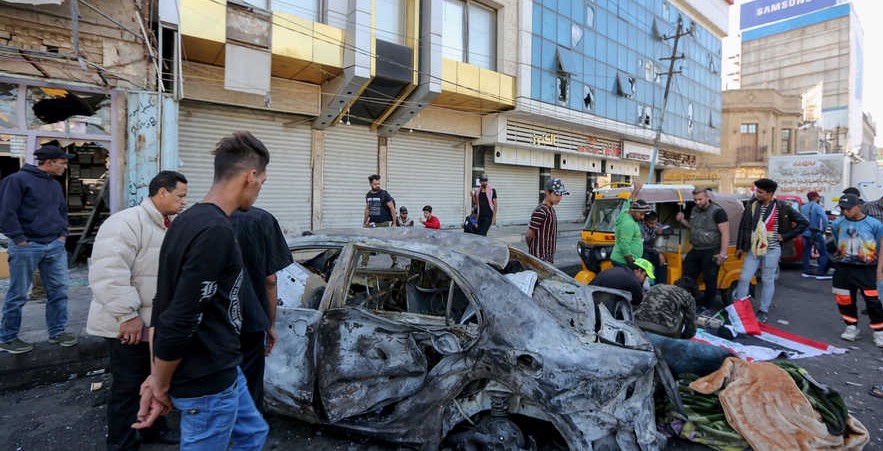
(443, 340)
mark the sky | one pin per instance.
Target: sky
(870, 13)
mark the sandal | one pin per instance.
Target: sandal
(876, 391)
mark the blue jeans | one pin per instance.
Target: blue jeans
(770, 264)
(817, 240)
(212, 422)
(51, 258)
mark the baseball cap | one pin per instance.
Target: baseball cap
(640, 205)
(812, 194)
(848, 201)
(646, 266)
(482, 178)
(50, 152)
(403, 209)
(557, 186)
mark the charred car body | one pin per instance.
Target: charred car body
(439, 339)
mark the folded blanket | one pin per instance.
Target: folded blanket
(762, 403)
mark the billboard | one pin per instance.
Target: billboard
(762, 12)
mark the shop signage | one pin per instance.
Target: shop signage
(600, 146)
(676, 159)
(638, 152)
(762, 12)
(544, 139)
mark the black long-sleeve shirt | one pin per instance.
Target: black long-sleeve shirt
(196, 312)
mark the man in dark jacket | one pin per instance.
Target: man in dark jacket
(33, 214)
(264, 253)
(766, 224)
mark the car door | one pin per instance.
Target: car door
(290, 373)
(375, 338)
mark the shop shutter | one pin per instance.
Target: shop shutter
(286, 194)
(426, 169)
(517, 190)
(350, 157)
(571, 207)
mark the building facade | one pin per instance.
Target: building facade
(814, 50)
(757, 124)
(591, 79)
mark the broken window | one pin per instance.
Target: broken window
(627, 85)
(386, 282)
(645, 116)
(566, 66)
(590, 17)
(62, 110)
(690, 118)
(589, 97)
(303, 283)
(8, 96)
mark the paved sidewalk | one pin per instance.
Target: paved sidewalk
(51, 363)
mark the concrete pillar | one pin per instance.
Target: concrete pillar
(317, 163)
(383, 158)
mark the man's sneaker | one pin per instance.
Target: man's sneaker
(762, 316)
(808, 275)
(64, 339)
(824, 276)
(16, 347)
(878, 338)
(850, 334)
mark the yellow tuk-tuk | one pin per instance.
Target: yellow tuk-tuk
(597, 239)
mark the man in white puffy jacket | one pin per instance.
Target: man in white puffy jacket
(122, 275)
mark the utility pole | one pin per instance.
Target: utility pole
(679, 33)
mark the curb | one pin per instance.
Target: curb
(49, 363)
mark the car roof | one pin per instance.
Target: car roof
(419, 240)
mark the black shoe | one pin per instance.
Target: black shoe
(164, 437)
(762, 316)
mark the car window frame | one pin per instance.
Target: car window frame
(336, 297)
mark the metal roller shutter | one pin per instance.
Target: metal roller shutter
(350, 157)
(517, 190)
(427, 169)
(286, 194)
(572, 206)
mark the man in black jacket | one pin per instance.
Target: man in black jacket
(766, 224)
(197, 314)
(33, 214)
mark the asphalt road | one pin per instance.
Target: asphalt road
(69, 415)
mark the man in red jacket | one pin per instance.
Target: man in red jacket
(430, 221)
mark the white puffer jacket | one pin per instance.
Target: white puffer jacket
(124, 266)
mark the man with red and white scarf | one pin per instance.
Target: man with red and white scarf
(766, 224)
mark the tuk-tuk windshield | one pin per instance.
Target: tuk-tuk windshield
(602, 216)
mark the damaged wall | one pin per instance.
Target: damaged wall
(48, 28)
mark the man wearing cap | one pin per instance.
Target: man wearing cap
(629, 242)
(484, 199)
(857, 267)
(814, 236)
(627, 278)
(403, 219)
(709, 236)
(766, 224)
(33, 214)
(542, 232)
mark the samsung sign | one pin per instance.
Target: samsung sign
(762, 12)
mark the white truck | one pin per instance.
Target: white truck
(826, 174)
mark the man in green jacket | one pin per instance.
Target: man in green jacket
(629, 243)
